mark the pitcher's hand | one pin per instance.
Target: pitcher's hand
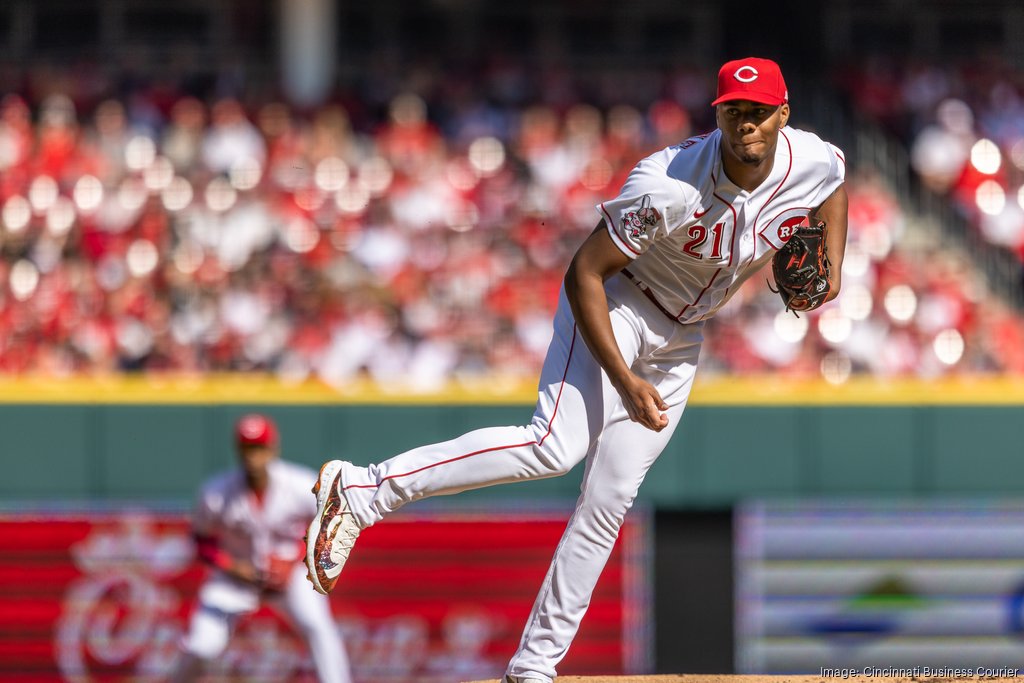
(642, 401)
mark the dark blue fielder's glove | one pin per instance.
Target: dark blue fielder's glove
(801, 269)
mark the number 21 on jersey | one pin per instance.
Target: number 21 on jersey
(698, 235)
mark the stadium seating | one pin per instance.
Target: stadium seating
(156, 232)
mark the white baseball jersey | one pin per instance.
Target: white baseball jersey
(252, 530)
(695, 237)
(256, 530)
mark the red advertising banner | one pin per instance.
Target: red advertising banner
(435, 597)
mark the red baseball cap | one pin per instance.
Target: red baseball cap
(752, 78)
(256, 430)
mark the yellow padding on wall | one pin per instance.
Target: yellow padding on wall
(767, 390)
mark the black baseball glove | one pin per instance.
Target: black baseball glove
(801, 269)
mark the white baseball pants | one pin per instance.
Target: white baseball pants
(222, 601)
(579, 415)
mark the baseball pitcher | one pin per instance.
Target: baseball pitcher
(690, 225)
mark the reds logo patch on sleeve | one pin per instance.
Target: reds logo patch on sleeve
(635, 223)
(779, 229)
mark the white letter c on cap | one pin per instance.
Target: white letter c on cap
(745, 79)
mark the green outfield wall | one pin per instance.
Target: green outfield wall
(123, 444)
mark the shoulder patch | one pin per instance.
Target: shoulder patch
(635, 223)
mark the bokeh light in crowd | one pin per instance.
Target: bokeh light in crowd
(24, 279)
(178, 194)
(16, 214)
(460, 175)
(220, 195)
(855, 300)
(462, 217)
(900, 303)
(990, 197)
(986, 157)
(245, 174)
(1017, 154)
(352, 199)
(376, 174)
(289, 176)
(939, 157)
(955, 116)
(836, 367)
(856, 261)
(60, 217)
(188, 256)
(949, 346)
(834, 325)
(331, 174)
(142, 258)
(1005, 227)
(790, 328)
(309, 199)
(877, 244)
(159, 174)
(88, 193)
(300, 235)
(486, 156)
(8, 149)
(132, 194)
(133, 338)
(139, 153)
(42, 193)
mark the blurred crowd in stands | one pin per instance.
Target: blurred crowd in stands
(963, 122)
(159, 232)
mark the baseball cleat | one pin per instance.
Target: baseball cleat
(519, 679)
(333, 531)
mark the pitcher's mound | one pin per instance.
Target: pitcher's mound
(723, 678)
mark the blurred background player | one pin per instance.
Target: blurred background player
(248, 523)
